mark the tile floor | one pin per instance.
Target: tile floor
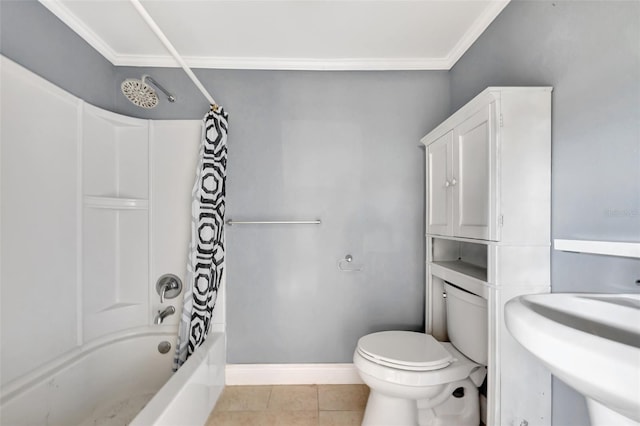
(296, 405)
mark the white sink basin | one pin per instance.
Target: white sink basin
(589, 341)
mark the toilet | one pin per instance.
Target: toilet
(416, 380)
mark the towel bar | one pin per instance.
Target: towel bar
(273, 222)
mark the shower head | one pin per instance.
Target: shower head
(142, 94)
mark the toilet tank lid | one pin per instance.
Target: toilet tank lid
(407, 348)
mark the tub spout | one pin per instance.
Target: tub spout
(169, 310)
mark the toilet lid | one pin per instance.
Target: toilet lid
(405, 350)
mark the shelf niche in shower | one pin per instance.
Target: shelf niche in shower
(115, 152)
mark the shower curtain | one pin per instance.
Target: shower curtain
(205, 266)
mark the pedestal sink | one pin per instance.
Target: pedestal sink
(589, 341)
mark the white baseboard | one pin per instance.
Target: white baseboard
(291, 374)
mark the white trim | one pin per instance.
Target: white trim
(608, 248)
(58, 8)
(65, 15)
(475, 31)
(290, 64)
(290, 374)
(150, 240)
(80, 225)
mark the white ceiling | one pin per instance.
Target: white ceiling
(284, 34)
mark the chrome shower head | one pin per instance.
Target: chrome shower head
(142, 94)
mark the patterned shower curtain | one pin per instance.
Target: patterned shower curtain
(205, 266)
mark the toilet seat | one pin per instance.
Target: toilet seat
(405, 350)
(460, 368)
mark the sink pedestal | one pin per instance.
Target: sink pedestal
(603, 416)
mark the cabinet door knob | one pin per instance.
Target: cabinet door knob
(447, 183)
(454, 181)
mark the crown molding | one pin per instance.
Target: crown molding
(476, 30)
(297, 64)
(58, 8)
(64, 14)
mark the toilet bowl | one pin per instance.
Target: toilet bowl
(409, 375)
(417, 380)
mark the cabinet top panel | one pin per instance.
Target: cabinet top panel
(488, 95)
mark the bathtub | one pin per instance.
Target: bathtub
(191, 393)
(121, 379)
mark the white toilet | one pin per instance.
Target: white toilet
(416, 380)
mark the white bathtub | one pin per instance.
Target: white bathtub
(108, 381)
(191, 393)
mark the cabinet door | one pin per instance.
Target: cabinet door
(439, 200)
(473, 180)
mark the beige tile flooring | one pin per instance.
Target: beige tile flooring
(296, 405)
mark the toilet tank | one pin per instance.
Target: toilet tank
(467, 323)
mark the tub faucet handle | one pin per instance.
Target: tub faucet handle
(168, 286)
(163, 290)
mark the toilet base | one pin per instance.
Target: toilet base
(383, 410)
(463, 410)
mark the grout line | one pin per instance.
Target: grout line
(269, 399)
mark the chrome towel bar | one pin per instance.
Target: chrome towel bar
(273, 222)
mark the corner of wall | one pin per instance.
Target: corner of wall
(29, 33)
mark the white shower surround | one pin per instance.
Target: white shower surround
(77, 329)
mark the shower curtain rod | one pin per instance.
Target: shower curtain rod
(158, 32)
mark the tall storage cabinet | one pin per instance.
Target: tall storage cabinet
(488, 180)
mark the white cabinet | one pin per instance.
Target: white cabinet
(461, 172)
(488, 176)
(473, 179)
(482, 159)
(439, 202)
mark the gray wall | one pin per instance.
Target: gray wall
(36, 39)
(342, 147)
(590, 53)
(339, 146)
(223, 85)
